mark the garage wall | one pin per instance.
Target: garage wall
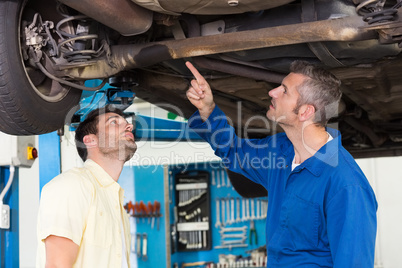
(385, 177)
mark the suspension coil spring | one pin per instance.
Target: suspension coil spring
(381, 16)
(74, 46)
(373, 11)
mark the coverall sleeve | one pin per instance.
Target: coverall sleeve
(352, 225)
(244, 156)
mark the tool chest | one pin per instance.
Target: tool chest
(202, 219)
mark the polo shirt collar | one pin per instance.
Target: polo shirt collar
(327, 155)
(101, 176)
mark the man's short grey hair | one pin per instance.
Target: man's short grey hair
(321, 89)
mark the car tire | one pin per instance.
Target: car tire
(30, 103)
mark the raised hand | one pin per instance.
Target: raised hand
(200, 93)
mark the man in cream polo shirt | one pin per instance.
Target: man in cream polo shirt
(82, 221)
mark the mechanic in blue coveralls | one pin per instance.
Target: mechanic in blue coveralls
(321, 208)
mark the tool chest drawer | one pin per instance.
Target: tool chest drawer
(193, 210)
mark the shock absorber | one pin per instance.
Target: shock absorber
(78, 46)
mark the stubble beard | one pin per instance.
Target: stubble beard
(124, 151)
(281, 120)
(129, 149)
(270, 116)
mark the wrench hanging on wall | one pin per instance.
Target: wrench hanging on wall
(218, 222)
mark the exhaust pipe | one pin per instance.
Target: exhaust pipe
(126, 57)
(240, 70)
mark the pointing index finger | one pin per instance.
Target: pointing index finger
(194, 71)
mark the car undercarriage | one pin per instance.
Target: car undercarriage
(50, 48)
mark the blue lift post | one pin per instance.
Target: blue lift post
(9, 246)
(49, 163)
(146, 127)
(151, 128)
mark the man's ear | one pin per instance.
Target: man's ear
(90, 140)
(306, 112)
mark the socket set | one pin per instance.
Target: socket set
(193, 211)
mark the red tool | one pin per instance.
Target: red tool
(130, 208)
(157, 207)
(144, 210)
(137, 211)
(150, 211)
(127, 207)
